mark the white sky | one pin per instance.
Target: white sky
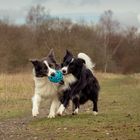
(126, 11)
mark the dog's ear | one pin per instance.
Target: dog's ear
(51, 57)
(35, 62)
(68, 53)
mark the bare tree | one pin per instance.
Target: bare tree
(37, 15)
(111, 47)
(109, 27)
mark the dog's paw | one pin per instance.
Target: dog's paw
(59, 113)
(35, 112)
(95, 113)
(61, 110)
(75, 111)
(51, 116)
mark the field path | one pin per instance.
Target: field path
(16, 129)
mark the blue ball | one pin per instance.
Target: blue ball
(58, 77)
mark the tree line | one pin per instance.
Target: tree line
(112, 47)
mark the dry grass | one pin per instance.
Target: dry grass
(18, 85)
(15, 94)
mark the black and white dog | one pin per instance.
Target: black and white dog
(45, 89)
(84, 88)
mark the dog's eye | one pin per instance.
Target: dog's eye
(62, 65)
(71, 65)
(50, 65)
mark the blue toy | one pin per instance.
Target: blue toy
(57, 78)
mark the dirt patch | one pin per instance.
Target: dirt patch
(15, 129)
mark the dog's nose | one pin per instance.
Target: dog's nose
(64, 71)
(53, 74)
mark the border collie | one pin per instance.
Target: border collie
(45, 89)
(86, 86)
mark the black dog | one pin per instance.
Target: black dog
(86, 86)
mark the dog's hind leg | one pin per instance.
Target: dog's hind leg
(36, 103)
(75, 101)
(95, 107)
(94, 98)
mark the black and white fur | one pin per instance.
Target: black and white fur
(86, 86)
(44, 89)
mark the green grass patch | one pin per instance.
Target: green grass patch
(12, 108)
(119, 116)
(87, 126)
(12, 113)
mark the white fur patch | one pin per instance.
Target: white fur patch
(65, 69)
(54, 106)
(87, 59)
(51, 116)
(61, 110)
(44, 88)
(50, 70)
(36, 103)
(68, 79)
(95, 113)
(72, 60)
(76, 111)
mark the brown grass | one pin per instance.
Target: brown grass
(15, 94)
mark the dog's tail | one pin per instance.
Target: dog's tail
(89, 63)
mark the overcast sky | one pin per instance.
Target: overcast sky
(126, 11)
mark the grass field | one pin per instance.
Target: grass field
(118, 119)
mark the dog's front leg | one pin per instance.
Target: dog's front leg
(63, 105)
(54, 106)
(36, 103)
